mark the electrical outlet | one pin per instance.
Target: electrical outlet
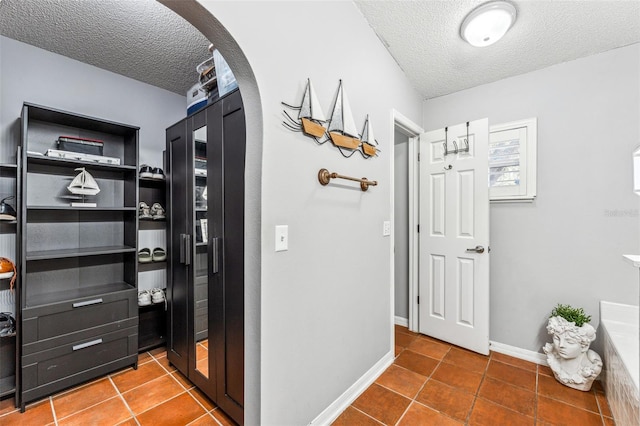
(386, 228)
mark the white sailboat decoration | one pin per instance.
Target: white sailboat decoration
(369, 142)
(342, 129)
(83, 184)
(311, 119)
(311, 114)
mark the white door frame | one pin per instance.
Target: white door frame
(413, 131)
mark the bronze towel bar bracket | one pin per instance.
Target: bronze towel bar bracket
(324, 177)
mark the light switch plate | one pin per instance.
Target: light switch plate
(386, 228)
(282, 237)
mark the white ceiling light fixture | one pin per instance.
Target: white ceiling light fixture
(487, 23)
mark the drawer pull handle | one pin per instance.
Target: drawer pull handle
(87, 303)
(87, 344)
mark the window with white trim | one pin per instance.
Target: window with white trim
(512, 161)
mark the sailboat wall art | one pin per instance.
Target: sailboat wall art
(340, 129)
(369, 142)
(309, 113)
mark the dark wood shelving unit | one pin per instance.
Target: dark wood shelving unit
(78, 265)
(10, 175)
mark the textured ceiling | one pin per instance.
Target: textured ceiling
(144, 40)
(423, 37)
(141, 39)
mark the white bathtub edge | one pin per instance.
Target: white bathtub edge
(619, 312)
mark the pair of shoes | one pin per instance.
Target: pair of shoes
(155, 212)
(151, 172)
(6, 211)
(144, 298)
(157, 295)
(8, 270)
(145, 255)
(7, 325)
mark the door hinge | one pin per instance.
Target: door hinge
(418, 300)
(418, 228)
(418, 156)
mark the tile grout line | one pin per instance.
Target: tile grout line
(366, 414)
(570, 404)
(476, 394)
(148, 381)
(124, 401)
(200, 404)
(440, 361)
(157, 405)
(89, 407)
(171, 373)
(535, 371)
(205, 414)
(173, 376)
(598, 404)
(53, 411)
(535, 411)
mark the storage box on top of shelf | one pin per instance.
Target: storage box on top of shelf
(226, 80)
(81, 145)
(196, 99)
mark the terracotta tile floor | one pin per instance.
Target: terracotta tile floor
(154, 394)
(434, 383)
(430, 383)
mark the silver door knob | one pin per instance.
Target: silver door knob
(477, 249)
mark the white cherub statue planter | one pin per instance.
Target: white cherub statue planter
(572, 362)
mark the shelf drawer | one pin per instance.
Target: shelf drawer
(69, 364)
(53, 325)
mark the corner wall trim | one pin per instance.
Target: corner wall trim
(401, 321)
(339, 405)
(525, 354)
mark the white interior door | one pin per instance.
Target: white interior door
(454, 221)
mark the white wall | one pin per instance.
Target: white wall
(567, 246)
(326, 302)
(401, 225)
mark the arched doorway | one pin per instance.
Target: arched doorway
(210, 27)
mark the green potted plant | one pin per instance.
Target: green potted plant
(569, 357)
(571, 314)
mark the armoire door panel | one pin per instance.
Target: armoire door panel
(208, 294)
(177, 295)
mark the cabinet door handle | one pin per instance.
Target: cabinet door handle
(87, 303)
(187, 249)
(181, 248)
(215, 246)
(87, 344)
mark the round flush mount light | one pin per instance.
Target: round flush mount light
(487, 23)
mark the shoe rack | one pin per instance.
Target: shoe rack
(9, 240)
(152, 271)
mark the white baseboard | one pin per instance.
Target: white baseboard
(525, 354)
(402, 321)
(339, 405)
